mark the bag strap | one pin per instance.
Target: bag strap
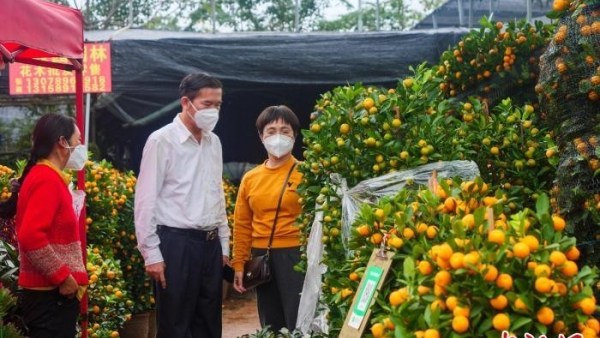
(279, 206)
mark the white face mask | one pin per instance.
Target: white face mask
(77, 158)
(205, 119)
(278, 145)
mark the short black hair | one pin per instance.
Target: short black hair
(192, 83)
(275, 113)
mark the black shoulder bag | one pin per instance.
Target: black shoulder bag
(257, 270)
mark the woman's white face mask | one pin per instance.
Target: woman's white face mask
(278, 145)
(77, 157)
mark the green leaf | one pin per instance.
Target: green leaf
(520, 322)
(547, 230)
(401, 331)
(427, 316)
(542, 205)
(540, 327)
(409, 268)
(485, 326)
(479, 216)
(486, 23)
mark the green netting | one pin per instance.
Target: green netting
(568, 91)
(567, 88)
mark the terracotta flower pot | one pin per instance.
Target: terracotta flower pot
(137, 327)
(152, 322)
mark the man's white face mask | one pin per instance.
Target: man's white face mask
(205, 119)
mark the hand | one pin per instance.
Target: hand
(225, 260)
(156, 271)
(68, 288)
(238, 282)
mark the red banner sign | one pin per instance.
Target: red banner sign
(27, 79)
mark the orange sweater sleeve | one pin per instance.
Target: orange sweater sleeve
(242, 228)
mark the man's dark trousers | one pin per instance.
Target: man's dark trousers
(190, 306)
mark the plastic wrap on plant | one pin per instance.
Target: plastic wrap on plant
(309, 319)
(78, 197)
(313, 319)
(369, 191)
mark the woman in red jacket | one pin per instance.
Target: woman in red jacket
(51, 262)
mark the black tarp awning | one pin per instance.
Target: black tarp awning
(257, 70)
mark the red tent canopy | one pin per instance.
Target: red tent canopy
(34, 29)
(42, 28)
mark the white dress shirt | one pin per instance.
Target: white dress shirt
(180, 186)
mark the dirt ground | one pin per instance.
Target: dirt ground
(239, 314)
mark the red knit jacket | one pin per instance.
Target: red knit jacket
(47, 231)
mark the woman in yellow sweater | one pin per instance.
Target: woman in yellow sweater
(255, 211)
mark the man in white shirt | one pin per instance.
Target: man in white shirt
(180, 217)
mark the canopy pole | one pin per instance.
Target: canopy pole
(528, 10)
(129, 24)
(461, 20)
(296, 16)
(79, 118)
(6, 53)
(213, 16)
(130, 14)
(11, 56)
(360, 21)
(88, 99)
(377, 22)
(470, 13)
(76, 64)
(37, 62)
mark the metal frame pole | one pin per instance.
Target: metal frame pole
(461, 19)
(360, 21)
(213, 15)
(470, 13)
(377, 22)
(297, 17)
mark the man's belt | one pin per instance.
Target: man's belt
(207, 235)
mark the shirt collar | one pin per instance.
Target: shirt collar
(66, 178)
(287, 164)
(183, 134)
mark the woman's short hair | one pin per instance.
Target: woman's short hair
(276, 113)
(192, 83)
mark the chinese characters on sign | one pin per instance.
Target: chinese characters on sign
(29, 79)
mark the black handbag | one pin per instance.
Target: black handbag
(257, 270)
